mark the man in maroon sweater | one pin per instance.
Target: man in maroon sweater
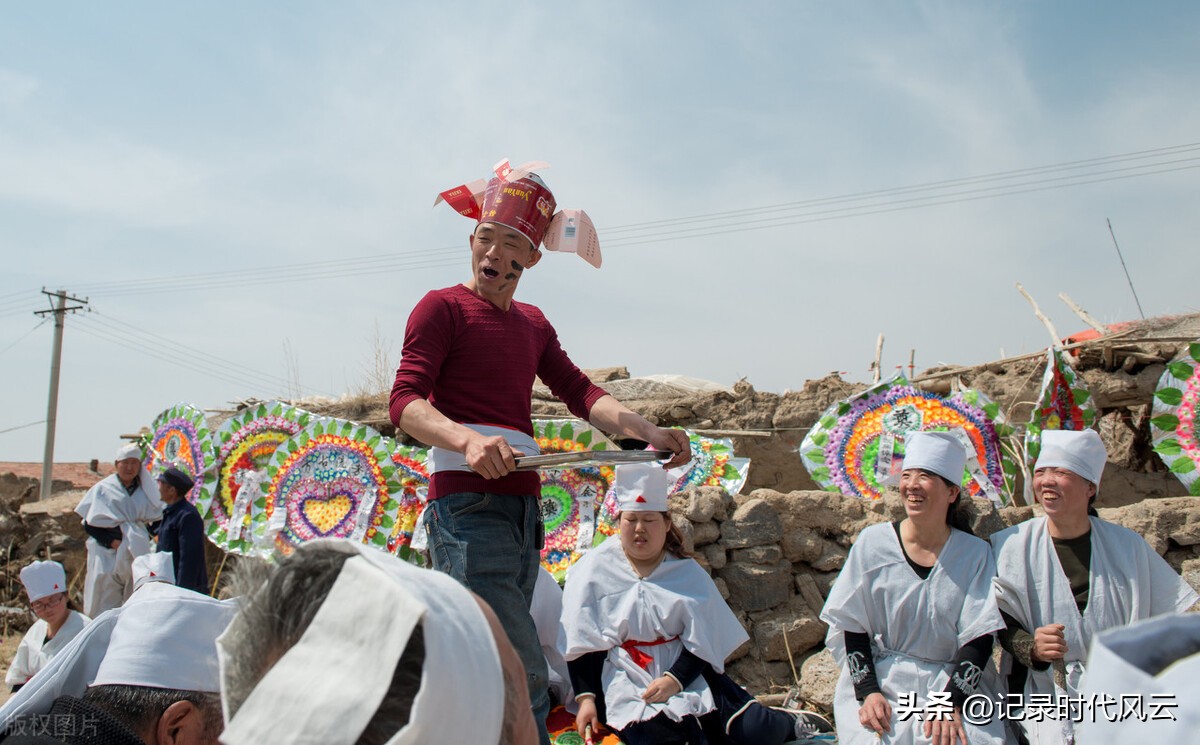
(470, 356)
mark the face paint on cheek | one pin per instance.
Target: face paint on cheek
(517, 269)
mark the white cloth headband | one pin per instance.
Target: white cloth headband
(328, 686)
(1082, 453)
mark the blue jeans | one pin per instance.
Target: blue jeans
(490, 543)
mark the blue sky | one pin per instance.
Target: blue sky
(144, 141)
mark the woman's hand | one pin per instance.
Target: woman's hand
(1049, 643)
(875, 713)
(946, 731)
(661, 689)
(587, 715)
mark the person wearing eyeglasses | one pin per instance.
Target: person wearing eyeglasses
(46, 585)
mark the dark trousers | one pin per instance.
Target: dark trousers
(754, 725)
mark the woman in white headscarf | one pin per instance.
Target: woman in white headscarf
(1066, 576)
(646, 635)
(46, 585)
(911, 616)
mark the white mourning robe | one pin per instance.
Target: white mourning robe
(917, 627)
(547, 611)
(1128, 581)
(35, 651)
(606, 604)
(110, 571)
(1152, 666)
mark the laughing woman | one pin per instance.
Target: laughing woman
(912, 613)
(647, 633)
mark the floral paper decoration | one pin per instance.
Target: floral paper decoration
(570, 497)
(245, 444)
(1064, 403)
(181, 438)
(412, 478)
(1173, 422)
(857, 446)
(335, 479)
(713, 464)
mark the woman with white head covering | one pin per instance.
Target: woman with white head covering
(646, 634)
(1068, 575)
(912, 613)
(46, 585)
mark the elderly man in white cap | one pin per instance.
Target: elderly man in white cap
(46, 585)
(115, 514)
(346, 644)
(1068, 575)
(143, 674)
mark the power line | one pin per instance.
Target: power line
(308, 266)
(933, 185)
(862, 212)
(270, 276)
(149, 343)
(23, 426)
(1125, 268)
(24, 336)
(920, 196)
(185, 363)
(121, 327)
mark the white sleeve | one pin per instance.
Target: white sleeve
(18, 672)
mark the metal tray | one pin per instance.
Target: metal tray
(582, 458)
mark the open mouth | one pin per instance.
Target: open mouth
(490, 273)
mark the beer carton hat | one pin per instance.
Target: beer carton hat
(1082, 453)
(936, 452)
(642, 487)
(519, 199)
(43, 579)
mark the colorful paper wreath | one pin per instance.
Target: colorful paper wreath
(857, 442)
(564, 491)
(335, 479)
(412, 477)
(1173, 421)
(244, 443)
(1064, 403)
(713, 464)
(181, 438)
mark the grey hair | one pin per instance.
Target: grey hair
(140, 707)
(275, 614)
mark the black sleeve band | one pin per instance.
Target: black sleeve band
(968, 669)
(585, 673)
(687, 668)
(861, 664)
(103, 536)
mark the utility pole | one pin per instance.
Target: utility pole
(60, 309)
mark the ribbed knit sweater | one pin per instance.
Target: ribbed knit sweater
(476, 364)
